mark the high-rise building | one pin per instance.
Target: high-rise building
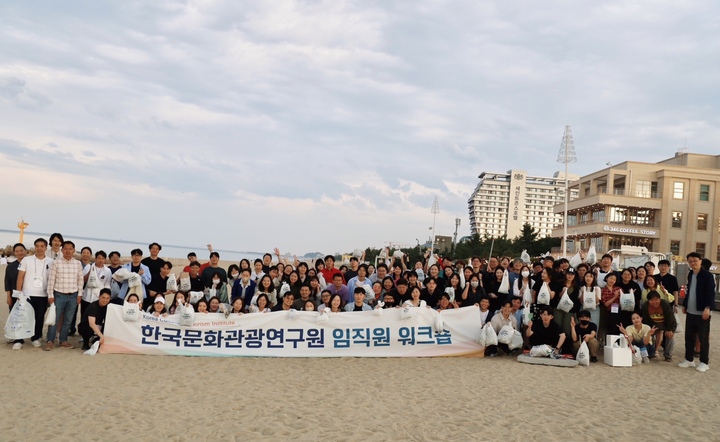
(669, 206)
(503, 202)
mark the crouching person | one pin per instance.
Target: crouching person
(585, 331)
(546, 331)
(659, 313)
(497, 323)
(93, 321)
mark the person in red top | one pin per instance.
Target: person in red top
(192, 257)
(329, 271)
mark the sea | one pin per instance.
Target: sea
(10, 237)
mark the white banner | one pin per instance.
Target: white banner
(357, 334)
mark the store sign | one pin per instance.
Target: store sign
(516, 196)
(630, 230)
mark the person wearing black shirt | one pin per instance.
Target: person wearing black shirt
(93, 321)
(286, 304)
(196, 282)
(585, 331)
(473, 292)
(153, 262)
(431, 294)
(668, 281)
(546, 331)
(11, 273)
(209, 271)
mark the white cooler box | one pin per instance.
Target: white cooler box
(617, 356)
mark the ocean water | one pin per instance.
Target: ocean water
(9, 237)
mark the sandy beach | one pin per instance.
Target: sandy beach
(64, 395)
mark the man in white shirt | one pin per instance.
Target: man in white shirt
(32, 281)
(97, 277)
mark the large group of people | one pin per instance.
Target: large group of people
(548, 301)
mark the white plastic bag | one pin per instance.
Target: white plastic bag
(482, 337)
(134, 280)
(284, 289)
(20, 323)
(516, 341)
(93, 349)
(527, 296)
(589, 299)
(526, 314)
(505, 283)
(543, 296)
(451, 293)
(172, 284)
(439, 323)
(627, 301)
(525, 256)
(398, 254)
(616, 263)
(185, 285)
(491, 337)
(293, 314)
(378, 310)
(637, 356)
(195, 297)
(679, 328)
(583, 355)
(93, 282)
(131, 312)
(591, 257)
(565, 303)
(187, 314)
(121, 275)
(407, 312)
(51, 315)
(541, 351)
(506, 334)
(323, 317)
(576, 260)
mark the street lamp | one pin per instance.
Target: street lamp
(435, 210)
(566, 155)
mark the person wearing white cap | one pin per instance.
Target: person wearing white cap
(158, 308)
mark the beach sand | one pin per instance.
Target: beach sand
(64, 395)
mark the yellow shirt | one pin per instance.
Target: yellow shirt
(636, 335)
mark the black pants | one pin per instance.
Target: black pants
(86, 332)
(697, 328)
(40, 305)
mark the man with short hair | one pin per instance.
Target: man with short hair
(699, 299)
(86, 254)
(267, 262)
(64, 289)
(353, 270)
(103, 276)
(286, 304)
(605, 268)
(650, 268)
(400, 292)
(546, 331)
(330, 271)
(158, 286)
(380, 273)
(153, 262)
(668, 281)
(92, 322)
(11, 273)
(136, 266)
(192, 257)
(207, 274)
(114, 266)
(585, 331)
(299, 304)
(196, 282)
(659, 313)
(337, 287)
(32, 280)
(359, 305)
(497, 322)
(360, 279)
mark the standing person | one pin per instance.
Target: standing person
(668, 281)
(102, 275)
(207, 274)
(136, 266)
(153, 262)
(32, 280)
(56, 241)
(114, 266)
(65, 285)
(11, 273)
(700, 297)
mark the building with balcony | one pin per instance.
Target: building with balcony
(503, 202)
(670, 206)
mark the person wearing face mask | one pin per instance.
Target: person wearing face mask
(244, 287)
(522, 282)
(473, 292)
(217, 288)
(233, 273)
(585, 331)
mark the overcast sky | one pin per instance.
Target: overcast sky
(330, 126)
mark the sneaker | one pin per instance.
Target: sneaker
(593, 359)
(702, 367)
(686, 364)
(36, 343)
(668, 358)
(646, 360)
(17, 346)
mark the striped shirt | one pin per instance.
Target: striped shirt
(66, 276)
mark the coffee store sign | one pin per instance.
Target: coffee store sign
(630, 230)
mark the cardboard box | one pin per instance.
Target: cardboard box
(618, 357)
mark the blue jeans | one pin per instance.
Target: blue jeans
(65, 306)
(650, 347)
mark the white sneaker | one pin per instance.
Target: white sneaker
(36, 343)
(702, 367)
(686, 364)
(17, 346)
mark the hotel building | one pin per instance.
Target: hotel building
(503, 202)
(672, 206)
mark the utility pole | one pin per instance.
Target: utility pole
(435, 210)
(566, 155)
(457, 224)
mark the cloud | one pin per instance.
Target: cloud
(331, 125)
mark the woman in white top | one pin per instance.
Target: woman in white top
(589, 284)
(262, 304)
(265, 287)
